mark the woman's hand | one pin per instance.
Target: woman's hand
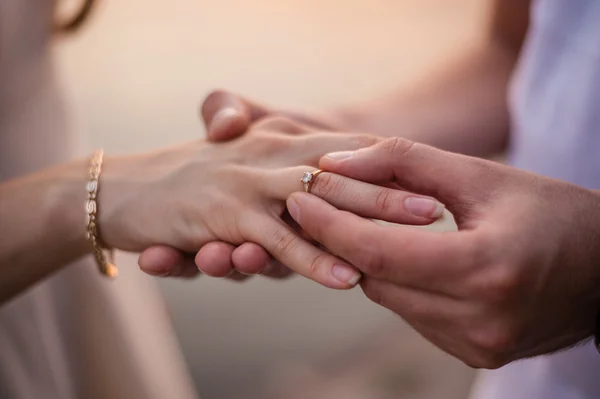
(234, 192)
(227, 116)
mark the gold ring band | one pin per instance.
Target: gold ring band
(309, 178)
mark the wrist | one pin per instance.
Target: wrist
(65, 207)
(123, 197)
(116, 186)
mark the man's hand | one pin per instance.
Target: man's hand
(227, 116)
(521, 276)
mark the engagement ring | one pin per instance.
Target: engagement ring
(309, 178)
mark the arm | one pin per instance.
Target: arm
(42, 225)
(461, 106)
(181, 197)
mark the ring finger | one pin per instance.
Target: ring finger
(364, 199)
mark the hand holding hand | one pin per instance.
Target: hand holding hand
(227, 116)
(234, 192)
(220, 259)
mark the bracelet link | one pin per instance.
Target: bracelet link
(105, 263)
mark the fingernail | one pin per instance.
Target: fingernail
(424, 207)
(338, 156)
(345, 274)
(293, 209)
(222, 118)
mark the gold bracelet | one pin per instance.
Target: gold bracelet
(105, 263)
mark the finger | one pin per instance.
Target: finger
(295, 226)
(161, 260)
(449, 323)
(312, 147)
(456, 180)
(418, 306)
(214, 259)
(415, 257)
(250, 258)
(376, 202)
(186, 269)
(227, 115)
(300, 256)
(364, 199)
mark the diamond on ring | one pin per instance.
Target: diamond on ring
(308, 179)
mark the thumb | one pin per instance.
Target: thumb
(227, 116)
(458, 181)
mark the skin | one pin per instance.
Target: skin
(519, 278)
(177, 199)
(460, 107)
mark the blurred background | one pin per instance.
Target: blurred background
(137, 73)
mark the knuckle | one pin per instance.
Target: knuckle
(398, 147)
(504, 284)
(484, 170)
(284, 242)
(480, 251)
(277, 123)
(494, 280)
(318, 262)
(383, 200)
(367, 140)
(327, 185)
(267, 143)
(371, 262)
(498, 285)
(494, 343)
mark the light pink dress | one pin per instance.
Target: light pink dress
(76, 334)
